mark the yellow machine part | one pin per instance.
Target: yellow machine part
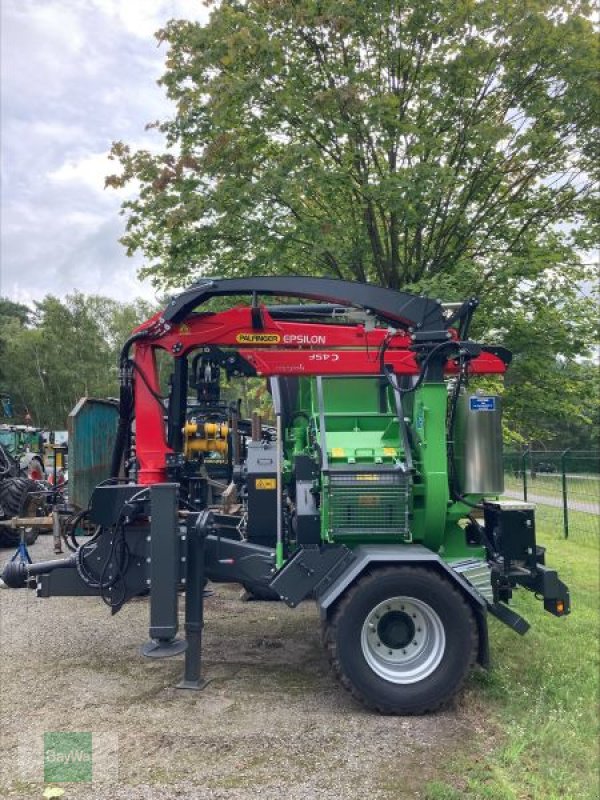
(208, 437)
(205, 446)
(210, 430)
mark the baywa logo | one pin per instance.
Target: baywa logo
(67, 757)
(258, 338)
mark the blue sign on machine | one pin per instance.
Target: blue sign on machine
(482, 403)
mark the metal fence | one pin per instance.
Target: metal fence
(564, 485)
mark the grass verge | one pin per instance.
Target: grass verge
(541, 696)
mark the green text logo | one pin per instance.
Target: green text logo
(67, 757)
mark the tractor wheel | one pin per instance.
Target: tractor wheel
(16, 500)
(402, 640)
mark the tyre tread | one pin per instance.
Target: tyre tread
(13, 496)
(329, 639)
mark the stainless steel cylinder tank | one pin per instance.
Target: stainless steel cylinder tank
(478, 444)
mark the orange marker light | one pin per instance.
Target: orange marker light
(560, 607)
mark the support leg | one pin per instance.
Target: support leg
(194, 609)
(56, 532)
(164, 573)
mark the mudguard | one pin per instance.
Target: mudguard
(368, 555)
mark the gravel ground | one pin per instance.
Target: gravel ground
(271, 723)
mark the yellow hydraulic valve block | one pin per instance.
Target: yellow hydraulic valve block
(206, 446)
(207, 437)
(208, 430)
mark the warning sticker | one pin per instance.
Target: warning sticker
(258, 338)
(266, 483)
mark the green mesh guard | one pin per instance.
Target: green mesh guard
(369, 503)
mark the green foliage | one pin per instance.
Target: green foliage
(552, 388)
(441, 147)
(541, 695)
(437, 143)
(62, 351)
(11, 310)
(15, 314)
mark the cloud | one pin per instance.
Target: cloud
(89, 170)
(142, 18)
(76, 77)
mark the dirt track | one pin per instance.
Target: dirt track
(271, 723)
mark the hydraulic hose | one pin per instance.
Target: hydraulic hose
(6, 463)
(125, 404)
(69, 534)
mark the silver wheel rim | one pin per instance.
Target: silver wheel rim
(403, 640)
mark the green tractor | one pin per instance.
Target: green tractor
(19, 497)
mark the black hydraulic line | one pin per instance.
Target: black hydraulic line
(125, 403)
(177, 404)
(484, 539)
(125, 416)
(424, 365)
(401, 421)
(9, 464)
(70, 528)
(119, 550)
(397, 308)
(5, 468)
(159, 397)
(135, 337)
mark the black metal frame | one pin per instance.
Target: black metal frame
(396, 308)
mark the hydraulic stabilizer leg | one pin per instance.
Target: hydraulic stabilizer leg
(164, 573)
(194, 603)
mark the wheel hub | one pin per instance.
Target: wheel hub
(403, 640)
(395, 629)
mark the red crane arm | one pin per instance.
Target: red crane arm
(272, 347)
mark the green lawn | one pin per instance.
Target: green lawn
(539, 737)
(580, 489)
(584, 527)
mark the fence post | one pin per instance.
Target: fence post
(563, 469)
(524, 470)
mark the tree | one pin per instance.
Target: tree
(11, 314)
(442, 147)
(12, 310)
(67, 350)
(432, 144)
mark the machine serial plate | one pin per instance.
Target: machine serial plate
(482, 403)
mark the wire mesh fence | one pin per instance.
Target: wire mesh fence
(564, 485)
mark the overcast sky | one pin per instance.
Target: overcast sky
(76, 75)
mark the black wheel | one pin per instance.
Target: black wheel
(402, 640)
(19, 497)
